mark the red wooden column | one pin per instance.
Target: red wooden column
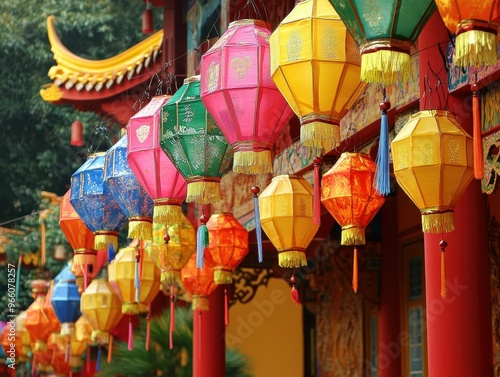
(209, 344)
(459, 332)
(389, 323)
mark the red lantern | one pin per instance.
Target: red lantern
(199, 282)
(76, 134)
(349, 194)
(148, 20)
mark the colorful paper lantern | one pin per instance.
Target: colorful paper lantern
(128, 192)
(66, 301)
(384, 30)
(348, 192)
(21, 341)
(199, 282)
(475, 24)
(193, 142)
(171, 250)
(58, 354)
(228, 245)
(83, 334)
(286, 215)
(315, 63)
(152, 168)
(237, 90)
(95, 205)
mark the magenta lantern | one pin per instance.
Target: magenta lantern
(237, 90)
(151, 166)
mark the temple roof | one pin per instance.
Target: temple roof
(87, 83)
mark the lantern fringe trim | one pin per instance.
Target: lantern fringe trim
(140, 228)
(292, 259)
(200, 303)
(104, 238)
(170, 277)
(84, 257)
(67, 329)
(252, 162)
(166, 213)
(223, 276)
(476, 43)
(320, 134)
(131, 308)
(441, 222)
(203, 192)
(353, 236)
(384, 66)
(101, 337)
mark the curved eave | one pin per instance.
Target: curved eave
(75, 77)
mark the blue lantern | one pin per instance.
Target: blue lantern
(95, 205)
(66, 300)
(128, 192)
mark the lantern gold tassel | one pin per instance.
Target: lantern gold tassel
(104, 238)
(131, 308)
(475, 44)
(83, 257)
(222, 276)
(320, 134)
(442, 245)
(353, 235)
(170, 276)
(476, 137)
(165, 212)
(355, 271)
(203, 192)
(251, 162)
(200, 303)
(140, 228)
(384, 66)
(439, 222)
(292, 258)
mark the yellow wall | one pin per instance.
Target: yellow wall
(268, 330)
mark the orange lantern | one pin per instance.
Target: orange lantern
(349, 194)
(228, 245)
(199, 282)
(58, 354)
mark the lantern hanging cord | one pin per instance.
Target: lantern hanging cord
(255, 9)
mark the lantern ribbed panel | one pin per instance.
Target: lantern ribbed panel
(194, 143)
(315, 63)
(348, 193)
(433, 160)
(286, 215)
(95, 205)
(385, 30)
(228, 245)
(174, 255)
(475, 23)
(121, 275)
(237, 90)
(66, 300)
(128, 192)
(102, 307)
(199, 282)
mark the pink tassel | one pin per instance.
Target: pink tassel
(66, 356)
(148, 328)
(172, 317)
(317, 192)
(294, 292)
(226, 308)
(70, 373)
(130, 334)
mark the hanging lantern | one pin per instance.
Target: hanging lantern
(127, 191)
(171, 249)
(77, 134)
(384, 30)
(228, 245)
(58, 354)
(66, 301)
(237, 90)
(94, 203)
(475, 24)
(83, 334)
(199, 282)
(152, 168)
(148, 19)
(83, 277)
(348, 192)
(194, 143)
(315, 64)
(76, 349)
(21, 341)
(286, 215)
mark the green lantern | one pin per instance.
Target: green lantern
(384, 31)
(195, 145)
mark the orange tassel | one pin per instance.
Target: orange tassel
(226, 308)
(110, 348)
(43, 245)
(476, 132)
(317, 192)
(355, 271)
(294, 293)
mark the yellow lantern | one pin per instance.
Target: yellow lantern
(286, 215)
(83, 333)
(316, 65)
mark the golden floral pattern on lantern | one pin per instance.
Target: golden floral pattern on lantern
(403, 158)
(241, 65)
(213, 77)
(372, 13)
(454, 151)
(330, 43)
(142, 133)
(425, 153)
(294, 46)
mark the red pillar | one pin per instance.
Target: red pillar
(209, 344)
(389, 323)
(459, 333)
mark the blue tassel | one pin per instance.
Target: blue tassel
(98, 361)
(258, 228)
(111, 253)
(137, 283)
(382, 178)
(201, 243)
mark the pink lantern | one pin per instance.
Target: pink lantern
(153, 169)
(237, 90)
